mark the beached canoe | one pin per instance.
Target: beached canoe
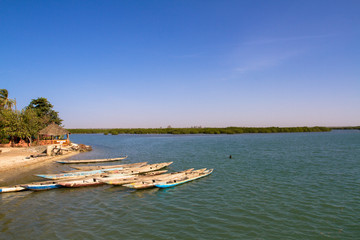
(90, 168)
(76, 174)
(151, 181)
(187, 178)
(38, 186)
(16, 188)
(92, 160)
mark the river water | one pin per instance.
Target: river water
(275, 186)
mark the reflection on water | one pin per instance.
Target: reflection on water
(14, 196)
(143, 192)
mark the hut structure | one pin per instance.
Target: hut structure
(54, 132)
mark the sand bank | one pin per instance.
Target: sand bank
(16, 158)
(13, 158)
(17, 164)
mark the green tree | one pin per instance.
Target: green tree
(45, 111)
(24, 125)
(10, 123)
(31, 124)
(5, 102)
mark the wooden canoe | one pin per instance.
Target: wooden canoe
(151, 181)
(39, 186)
(143, 169)
(124, 171)
(15, 188)
(85, 182)
(94, 181)
(76, 174)
(187, 178)
(92, 160)
(120, 180)
(90, 168)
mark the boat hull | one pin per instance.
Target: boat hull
(87, 182)
(124, 171)
(42, 186)
(175, 182)
(121, 180)
(151, 181)
(11, 189)
(76, 174)
(91, 160)
(90, 168)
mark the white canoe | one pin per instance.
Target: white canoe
(90, 168)
(92, 160)
(11, 189)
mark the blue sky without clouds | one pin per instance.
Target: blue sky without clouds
(127, 64)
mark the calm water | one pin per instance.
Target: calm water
(276, 186)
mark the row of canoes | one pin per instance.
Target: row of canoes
(136, 176)
(119, 170)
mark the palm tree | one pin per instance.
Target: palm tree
(5, 102)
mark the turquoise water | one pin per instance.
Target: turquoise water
(276, 186)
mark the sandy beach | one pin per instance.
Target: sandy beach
(18, 160)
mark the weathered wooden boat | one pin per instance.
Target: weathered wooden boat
(76, 174)
(182, 180)
(15, 188)
(126, 171)
(85, 182)
(120, 180)
(90, 168)
(94, 181)
(92, 160)
(45, 185)
(151, 181)
(143, 169)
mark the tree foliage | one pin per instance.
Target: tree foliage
(44, 110)
(24, 124)
(10, 123)
(31, 123)
(5, 102)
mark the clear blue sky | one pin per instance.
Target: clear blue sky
(127, 64)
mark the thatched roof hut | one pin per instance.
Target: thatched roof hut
(53, 130)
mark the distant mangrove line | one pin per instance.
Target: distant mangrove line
(346, 128)
(227, 130)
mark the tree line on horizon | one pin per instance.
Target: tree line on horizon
(17, 125)
(205, 130)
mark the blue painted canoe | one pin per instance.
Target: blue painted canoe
(188, 178)
(38, 186)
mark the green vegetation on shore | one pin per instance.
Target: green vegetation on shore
(346, 128)
(24, 125)
(198, 130)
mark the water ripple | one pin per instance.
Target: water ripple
(277, 186)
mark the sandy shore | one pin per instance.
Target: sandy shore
(14, 158)
(14, 161)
